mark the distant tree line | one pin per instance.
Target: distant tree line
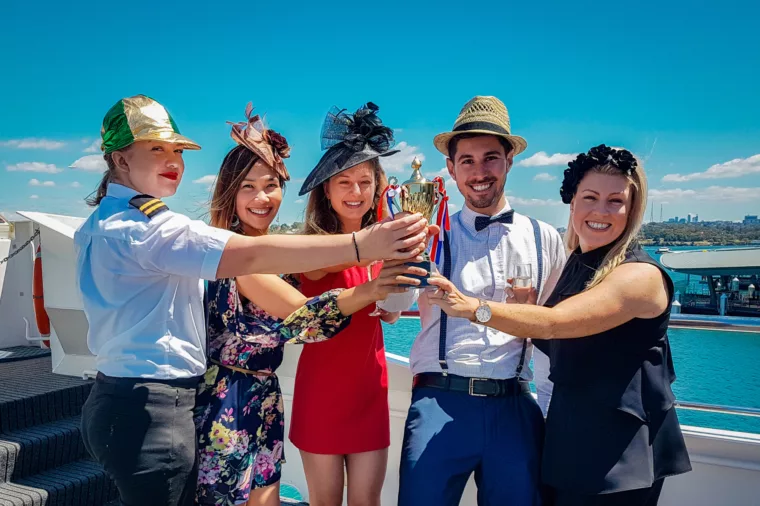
(293, 228)
(706, 233)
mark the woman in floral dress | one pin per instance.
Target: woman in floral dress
(240, 412)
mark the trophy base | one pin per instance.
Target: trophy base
(426, 264)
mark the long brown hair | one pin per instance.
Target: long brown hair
(638, 183)
(321, 219)
(235, 167)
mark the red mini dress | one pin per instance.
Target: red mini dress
(340, 401)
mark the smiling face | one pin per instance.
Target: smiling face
(352, 194)
(600, 209)
(480, 169)
(153, 168)
(258, 199)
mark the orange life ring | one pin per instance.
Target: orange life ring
(40, 314)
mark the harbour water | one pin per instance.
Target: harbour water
(712, 367)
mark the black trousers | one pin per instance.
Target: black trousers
(639, 497)
(143, 434)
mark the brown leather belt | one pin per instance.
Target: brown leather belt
(241, 370)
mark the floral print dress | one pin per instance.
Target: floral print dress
(239, 416)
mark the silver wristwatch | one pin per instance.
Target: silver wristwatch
(483, 313)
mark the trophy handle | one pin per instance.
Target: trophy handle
(440, 191)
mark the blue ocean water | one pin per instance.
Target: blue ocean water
(712, 366)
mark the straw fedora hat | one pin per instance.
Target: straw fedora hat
(482, 115)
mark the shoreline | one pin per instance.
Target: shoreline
(649, 242)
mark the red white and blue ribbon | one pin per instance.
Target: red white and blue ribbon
(388, 196)
(442, 219)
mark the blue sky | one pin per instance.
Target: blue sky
(676, 82)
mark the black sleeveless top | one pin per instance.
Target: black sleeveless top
(611, 424)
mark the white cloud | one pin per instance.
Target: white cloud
(401, 162)
(208, 180)
(297, 180)
(544, 176)
(673, 194)
(75, 184)
(94, 147)
(47, 168)
(712, 194)
(453, 207)
(542, 159)
(734, 168)
(300, 201)
(32, 143)
(519, 201)
(90, 163)
(34, 196)
(37, 182)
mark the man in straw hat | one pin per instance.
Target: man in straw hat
(471, 404)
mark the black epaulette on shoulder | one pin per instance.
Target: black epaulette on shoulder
(149, 206)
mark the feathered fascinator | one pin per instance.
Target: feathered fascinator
(265, 143)
(349, 139)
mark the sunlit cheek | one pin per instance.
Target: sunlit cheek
(495, 166)
(275, 198)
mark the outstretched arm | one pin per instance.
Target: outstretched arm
(634, 290)
(278, 298)
(282, 254)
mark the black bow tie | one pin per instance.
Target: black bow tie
(482, 222)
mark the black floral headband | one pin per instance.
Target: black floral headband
(596, 157)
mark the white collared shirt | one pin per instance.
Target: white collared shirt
(141, 283)
(480, 267)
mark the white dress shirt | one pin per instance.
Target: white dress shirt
(141, 283)
(480, 266)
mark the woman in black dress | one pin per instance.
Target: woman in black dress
(612, 434)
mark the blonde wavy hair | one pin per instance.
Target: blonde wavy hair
(638, 206)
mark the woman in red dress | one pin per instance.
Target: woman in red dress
(340, 412)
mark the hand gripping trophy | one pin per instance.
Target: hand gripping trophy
(418, 195)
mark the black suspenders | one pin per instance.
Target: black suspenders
(447, 274)
(444, 317)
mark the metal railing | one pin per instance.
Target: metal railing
(716, 408)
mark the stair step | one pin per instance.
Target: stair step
(33, 395)
(17, 353)
(80, 483)
(32, 450)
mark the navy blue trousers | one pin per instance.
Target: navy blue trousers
(450, 435)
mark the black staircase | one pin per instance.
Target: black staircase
(43, 461)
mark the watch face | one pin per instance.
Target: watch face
(483, 313)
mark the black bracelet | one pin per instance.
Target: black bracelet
(356, 246)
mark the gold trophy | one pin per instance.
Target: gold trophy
(417, 195)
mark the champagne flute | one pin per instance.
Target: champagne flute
(522, 282)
